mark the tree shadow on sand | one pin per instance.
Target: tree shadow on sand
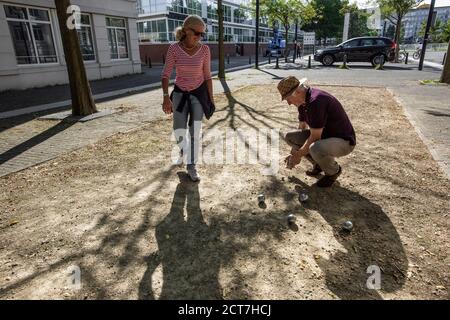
(373, 241)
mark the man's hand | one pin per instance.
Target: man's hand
(302, 125)
(292, 161)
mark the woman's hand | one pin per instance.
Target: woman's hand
(167, 105)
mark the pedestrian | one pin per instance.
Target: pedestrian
(300, 49)
(325, 130)
(192, 96)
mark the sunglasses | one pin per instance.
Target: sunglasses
(198, 33)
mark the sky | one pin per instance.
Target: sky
(439, 3)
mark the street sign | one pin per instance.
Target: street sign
(309, 38)
(346, 27)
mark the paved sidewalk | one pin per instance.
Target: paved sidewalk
(25, 142)
(15, 100)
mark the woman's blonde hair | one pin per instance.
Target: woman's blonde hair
(190, 21)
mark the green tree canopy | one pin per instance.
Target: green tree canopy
(440, 32)
(329, 21)
(446, 31)
(395, 11)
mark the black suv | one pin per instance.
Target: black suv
(376, 50)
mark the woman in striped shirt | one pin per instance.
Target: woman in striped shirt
(193, 93)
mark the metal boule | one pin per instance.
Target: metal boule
(291, 218)
(303, 197)
(261, 198)
(347, 226)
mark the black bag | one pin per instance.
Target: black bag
(211, 109)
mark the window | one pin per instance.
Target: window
(214, 35)
(367, 43)
(214, 15)
(186, 6)
(265, 36)
(152, 6)
(244, 35)
(32, 35)
(85, 38)
(212, 10)
(239, 16)
(351, 44)
(155, 30)
(226, 13)
(117, 38)
(244, 16)
(173, 24)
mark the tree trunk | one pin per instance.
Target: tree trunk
(82, 101)
(445, 78)
(221, 48)
(398, 30)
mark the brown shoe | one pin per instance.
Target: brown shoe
(328, 181)
(316, 170)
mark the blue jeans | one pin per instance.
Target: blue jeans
(180, 123)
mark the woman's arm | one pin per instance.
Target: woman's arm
(167, 104)
(170, 63)
(165, 76)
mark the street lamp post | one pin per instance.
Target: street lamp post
(427, 32)
(296, 44)
(257, 36)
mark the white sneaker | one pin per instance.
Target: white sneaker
(192, 172)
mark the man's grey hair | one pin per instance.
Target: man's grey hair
(303, 86)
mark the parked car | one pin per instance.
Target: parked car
(376, 50)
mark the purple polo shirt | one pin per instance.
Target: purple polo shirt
(322, 110)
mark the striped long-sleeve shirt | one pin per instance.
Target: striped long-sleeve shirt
(191, 71)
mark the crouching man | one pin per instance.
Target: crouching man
(325, 131)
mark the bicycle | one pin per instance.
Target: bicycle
(402, 55)
(417, 54)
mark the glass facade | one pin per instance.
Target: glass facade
(154, 30)
(413, 20)
(186, 6)
(152, 6)
(242, 16)
(169, 14)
